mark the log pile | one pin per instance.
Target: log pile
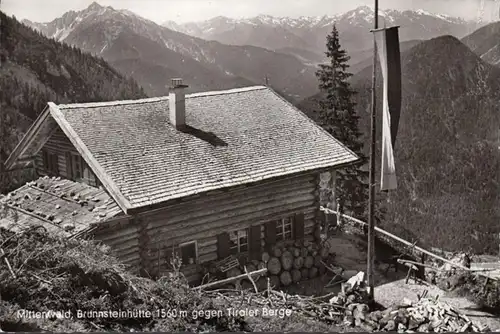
(296, 262)
(287, 264)
(425, 315)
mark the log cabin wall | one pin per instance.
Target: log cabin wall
(55, 159)
(122, 236)
(58, 145)
(209, 220)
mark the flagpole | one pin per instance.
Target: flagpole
(371, 205)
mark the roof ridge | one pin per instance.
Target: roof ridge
(158, 99)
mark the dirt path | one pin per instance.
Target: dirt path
(390, 293)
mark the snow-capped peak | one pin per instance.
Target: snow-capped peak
(423, 12)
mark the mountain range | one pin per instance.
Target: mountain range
(225, 53)
(153, 54)
(304, 37)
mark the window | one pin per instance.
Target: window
(50, 163)
(238, 241)
(82, 172)
(189, 252)
(284, 229)
(76, 165)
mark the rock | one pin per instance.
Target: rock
(413, 323)
(68, 227)
(391, 326)
(423, 328)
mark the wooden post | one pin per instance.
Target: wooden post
(333, 185)
(339, 219)
(326, 223)
(371, 201)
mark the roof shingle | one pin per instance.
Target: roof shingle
(233, 137)
(58, 205)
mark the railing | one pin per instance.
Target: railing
(398, 239)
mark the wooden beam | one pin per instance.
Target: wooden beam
(230, 279)
(27, 139)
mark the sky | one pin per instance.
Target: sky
(182, 11)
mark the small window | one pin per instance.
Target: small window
(82, 172)
(189, 252)
(50, 163)
(238, 241)
(284, 229)
(76, 164)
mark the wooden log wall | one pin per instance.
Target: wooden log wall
(59, 144)
(122, 236)
(204, 218)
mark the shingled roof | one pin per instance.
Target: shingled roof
(58, 205)
(233, 137)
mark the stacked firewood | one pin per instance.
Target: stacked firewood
(287, 264)
(425, 315)
(294, 263)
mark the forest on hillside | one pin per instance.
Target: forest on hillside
(447, 150)
(36, 70)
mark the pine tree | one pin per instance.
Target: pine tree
(337, 115)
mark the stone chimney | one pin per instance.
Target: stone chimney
(177, 104)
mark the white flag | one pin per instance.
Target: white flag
(390, 60)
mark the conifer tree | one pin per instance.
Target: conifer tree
(337, 115)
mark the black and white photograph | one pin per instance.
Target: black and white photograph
(250, 166)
